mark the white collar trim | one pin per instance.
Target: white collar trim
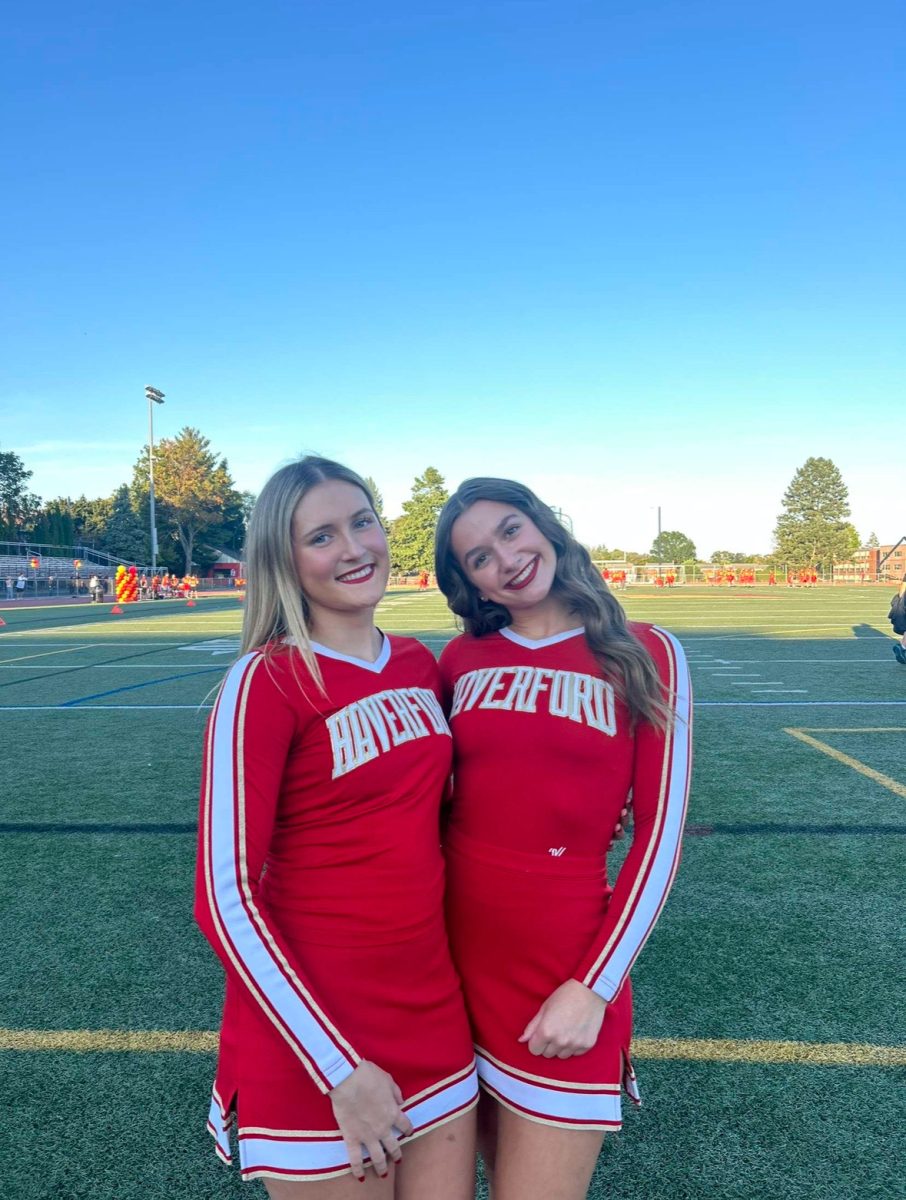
(377, 666)
(539, 643)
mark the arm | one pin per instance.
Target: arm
(247, 741)
(569, 1021)
(660, 791)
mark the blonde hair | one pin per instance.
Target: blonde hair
(276, 608)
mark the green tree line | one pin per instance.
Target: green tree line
(199, 511)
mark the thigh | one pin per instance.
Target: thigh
(542, 1162)
(439, 1164)
(346, 1188)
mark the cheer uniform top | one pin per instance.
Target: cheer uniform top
(545, 760)
(320, 886)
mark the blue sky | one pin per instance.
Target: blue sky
(633, 254)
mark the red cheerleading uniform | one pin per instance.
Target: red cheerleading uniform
(320, 886)
(545, 760)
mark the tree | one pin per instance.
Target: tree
(813, 531)
(723, 558)
(377, 497)
(872, 543)
(18, 507)
(90, 518)
(412, 534)
(56, 525)
(602, 554)
(125, 536)
(671, 546)
(193, 490)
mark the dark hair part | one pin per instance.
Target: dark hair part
(620, 654)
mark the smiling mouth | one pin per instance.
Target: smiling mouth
(525, 576)
(359, 575)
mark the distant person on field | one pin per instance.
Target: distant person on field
(10, 593)
(897, 618)
(21, 584)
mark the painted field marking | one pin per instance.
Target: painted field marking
(68, 708)
(222, 645)
(204, 1041)
(780, 691)
(103, 666)
(741, 1050)
(809, 662)
(43, 654)
(800, 704)
(804, 735)
(100, 645)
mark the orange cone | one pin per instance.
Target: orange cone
(2, 622)
(116, 609)
(190, 604)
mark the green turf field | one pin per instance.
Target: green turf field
(770, 1043)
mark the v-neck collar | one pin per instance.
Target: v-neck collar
(540, 643)
(376, 667)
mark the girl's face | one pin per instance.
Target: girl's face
(339, 550)
(504, 554)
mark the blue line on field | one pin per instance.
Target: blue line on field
(134, 686)
(800, 703)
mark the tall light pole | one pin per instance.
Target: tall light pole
(154, 397)
(659, 551)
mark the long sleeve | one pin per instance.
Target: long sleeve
(249, 735)
(660, 787)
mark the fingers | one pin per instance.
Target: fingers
(529, 1032)
(379, 1153)
(355, 1160)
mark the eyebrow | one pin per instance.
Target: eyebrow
(497, 529)
(332, 524)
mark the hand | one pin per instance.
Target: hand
(367, 1107)
(621, 826)
(567, 1023)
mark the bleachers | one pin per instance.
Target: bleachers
(57, 563)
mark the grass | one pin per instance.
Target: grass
(784, 925)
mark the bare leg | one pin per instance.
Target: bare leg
(439, 1165)
(542, 1162)
(345, 1188)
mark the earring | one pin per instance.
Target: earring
(482, 596)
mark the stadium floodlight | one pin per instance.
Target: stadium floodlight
(154, 396)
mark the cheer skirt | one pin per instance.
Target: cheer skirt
(400, 1006)
(519, 925)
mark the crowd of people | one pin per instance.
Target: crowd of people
(167, 586)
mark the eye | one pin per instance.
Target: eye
(478, 561)
(320, 539)
(510, 530)
(363, 522)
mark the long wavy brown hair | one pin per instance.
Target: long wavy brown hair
(620, 654)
